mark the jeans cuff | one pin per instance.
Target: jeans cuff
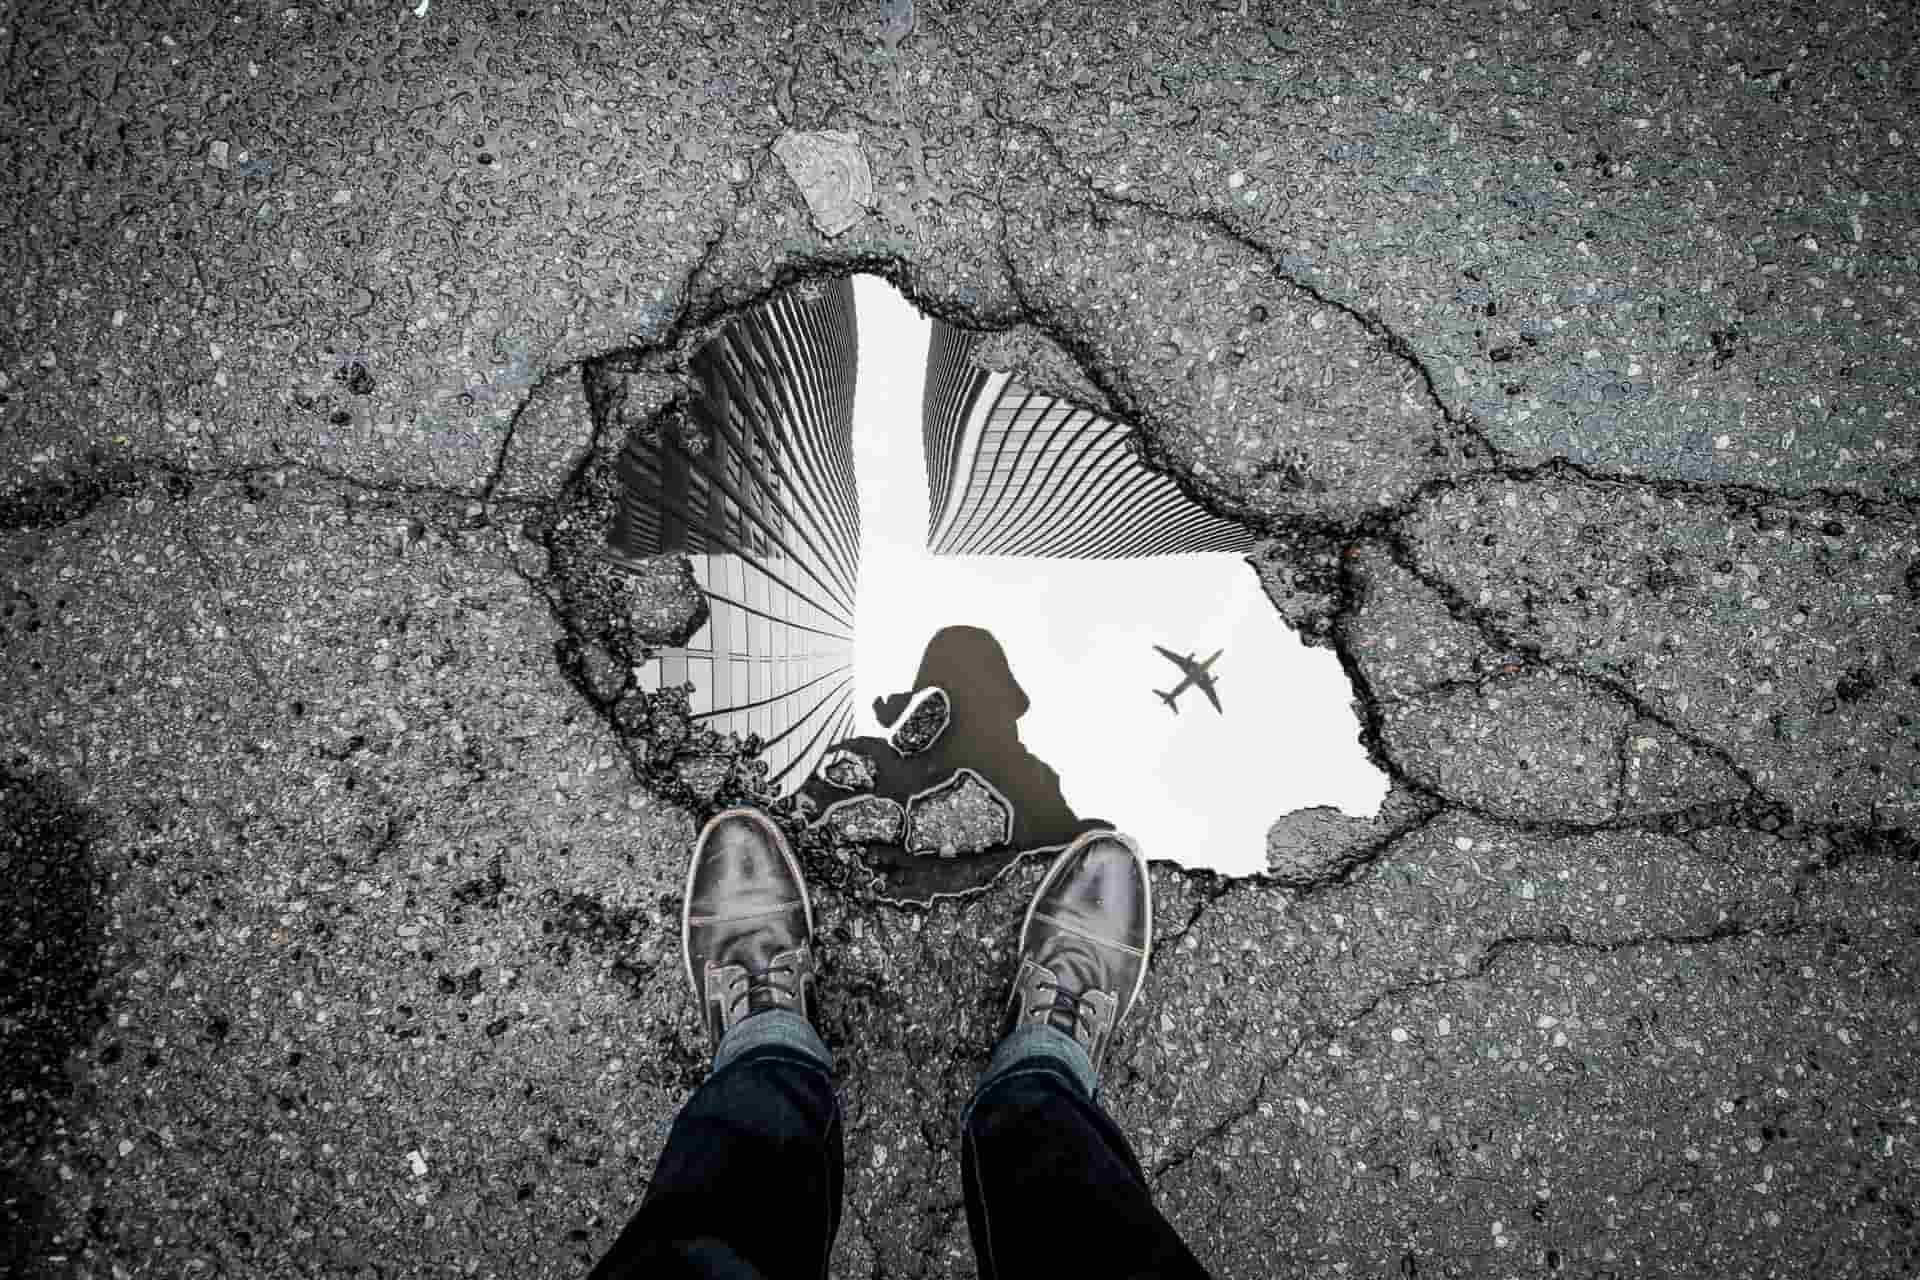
(1030, 1047)
(776, 1028)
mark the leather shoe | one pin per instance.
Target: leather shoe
(746, 926)
(1085, 943)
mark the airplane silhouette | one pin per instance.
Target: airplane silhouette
(1195, 673)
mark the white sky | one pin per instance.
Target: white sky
(1199, 787)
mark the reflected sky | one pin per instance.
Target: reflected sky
(1195, 786)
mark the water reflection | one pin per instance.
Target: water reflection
(753, 481)
(982, 734)
(1013, 472)
(995, 528)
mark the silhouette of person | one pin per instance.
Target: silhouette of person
(983, 735)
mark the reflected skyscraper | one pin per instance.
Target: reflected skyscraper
(753, 481)
(1014, 472)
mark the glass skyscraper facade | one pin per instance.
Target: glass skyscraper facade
(1013, 472)
(753, 481)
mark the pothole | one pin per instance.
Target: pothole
(954, 617)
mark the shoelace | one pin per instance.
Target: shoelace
(1065, 1001)
(763, 984)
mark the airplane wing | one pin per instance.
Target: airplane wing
(1206, 687)
(1172, 657)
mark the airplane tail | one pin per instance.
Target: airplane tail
(1168, 699)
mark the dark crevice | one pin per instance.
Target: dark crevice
(652, 755)
(1481, 966)
(1211, 887)
(1742, 498)
(1348, 597)
(1373, 325)
(1835, 846)
(1501, 640)
(503, 452)
(238, 633)
(48, 504)
(1349, 866)
(1214, 1132)
(1560, 467)
(1622, 768)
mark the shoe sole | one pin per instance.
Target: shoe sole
(777, 839)
(1059, 863)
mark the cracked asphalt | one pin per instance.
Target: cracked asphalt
(1562, 355)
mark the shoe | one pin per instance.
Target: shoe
(1085, 943)
(746, 926)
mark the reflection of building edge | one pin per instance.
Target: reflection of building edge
(754, 483)
(946, 400)
(1013, 472)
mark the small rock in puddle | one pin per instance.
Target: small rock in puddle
(866, 820)
(925, 721)
(664, 602)
(847, 770)
(704, 774)
(964, 814)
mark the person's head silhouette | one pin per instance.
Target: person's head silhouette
(972, 667)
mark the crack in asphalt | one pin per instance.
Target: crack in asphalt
(1489, 957)
(1375, 327)
(1502, 640)
(234, 631)
(502, 454)
(58, 502)
(54, 503)
(1401, 348)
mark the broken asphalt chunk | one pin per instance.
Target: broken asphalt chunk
(866, 820)
(832, 173)
(926, 719)
(847, 770)
(964, 814)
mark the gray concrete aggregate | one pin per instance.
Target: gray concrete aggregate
(1561, 356)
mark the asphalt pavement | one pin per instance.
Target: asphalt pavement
(1562, 356)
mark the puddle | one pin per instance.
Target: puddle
(754, 483)
(945, 529)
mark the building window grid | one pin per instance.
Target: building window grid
(1089, 500)
(722, 440)
(1025, 487)
(833, 457)
(777, 403)
(1085, 431)
(984, 488)
(795, 449)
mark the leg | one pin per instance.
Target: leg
(1051, 1186)
(748, 1187)
(749, 1183)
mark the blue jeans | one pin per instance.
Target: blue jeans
(749, 1185)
